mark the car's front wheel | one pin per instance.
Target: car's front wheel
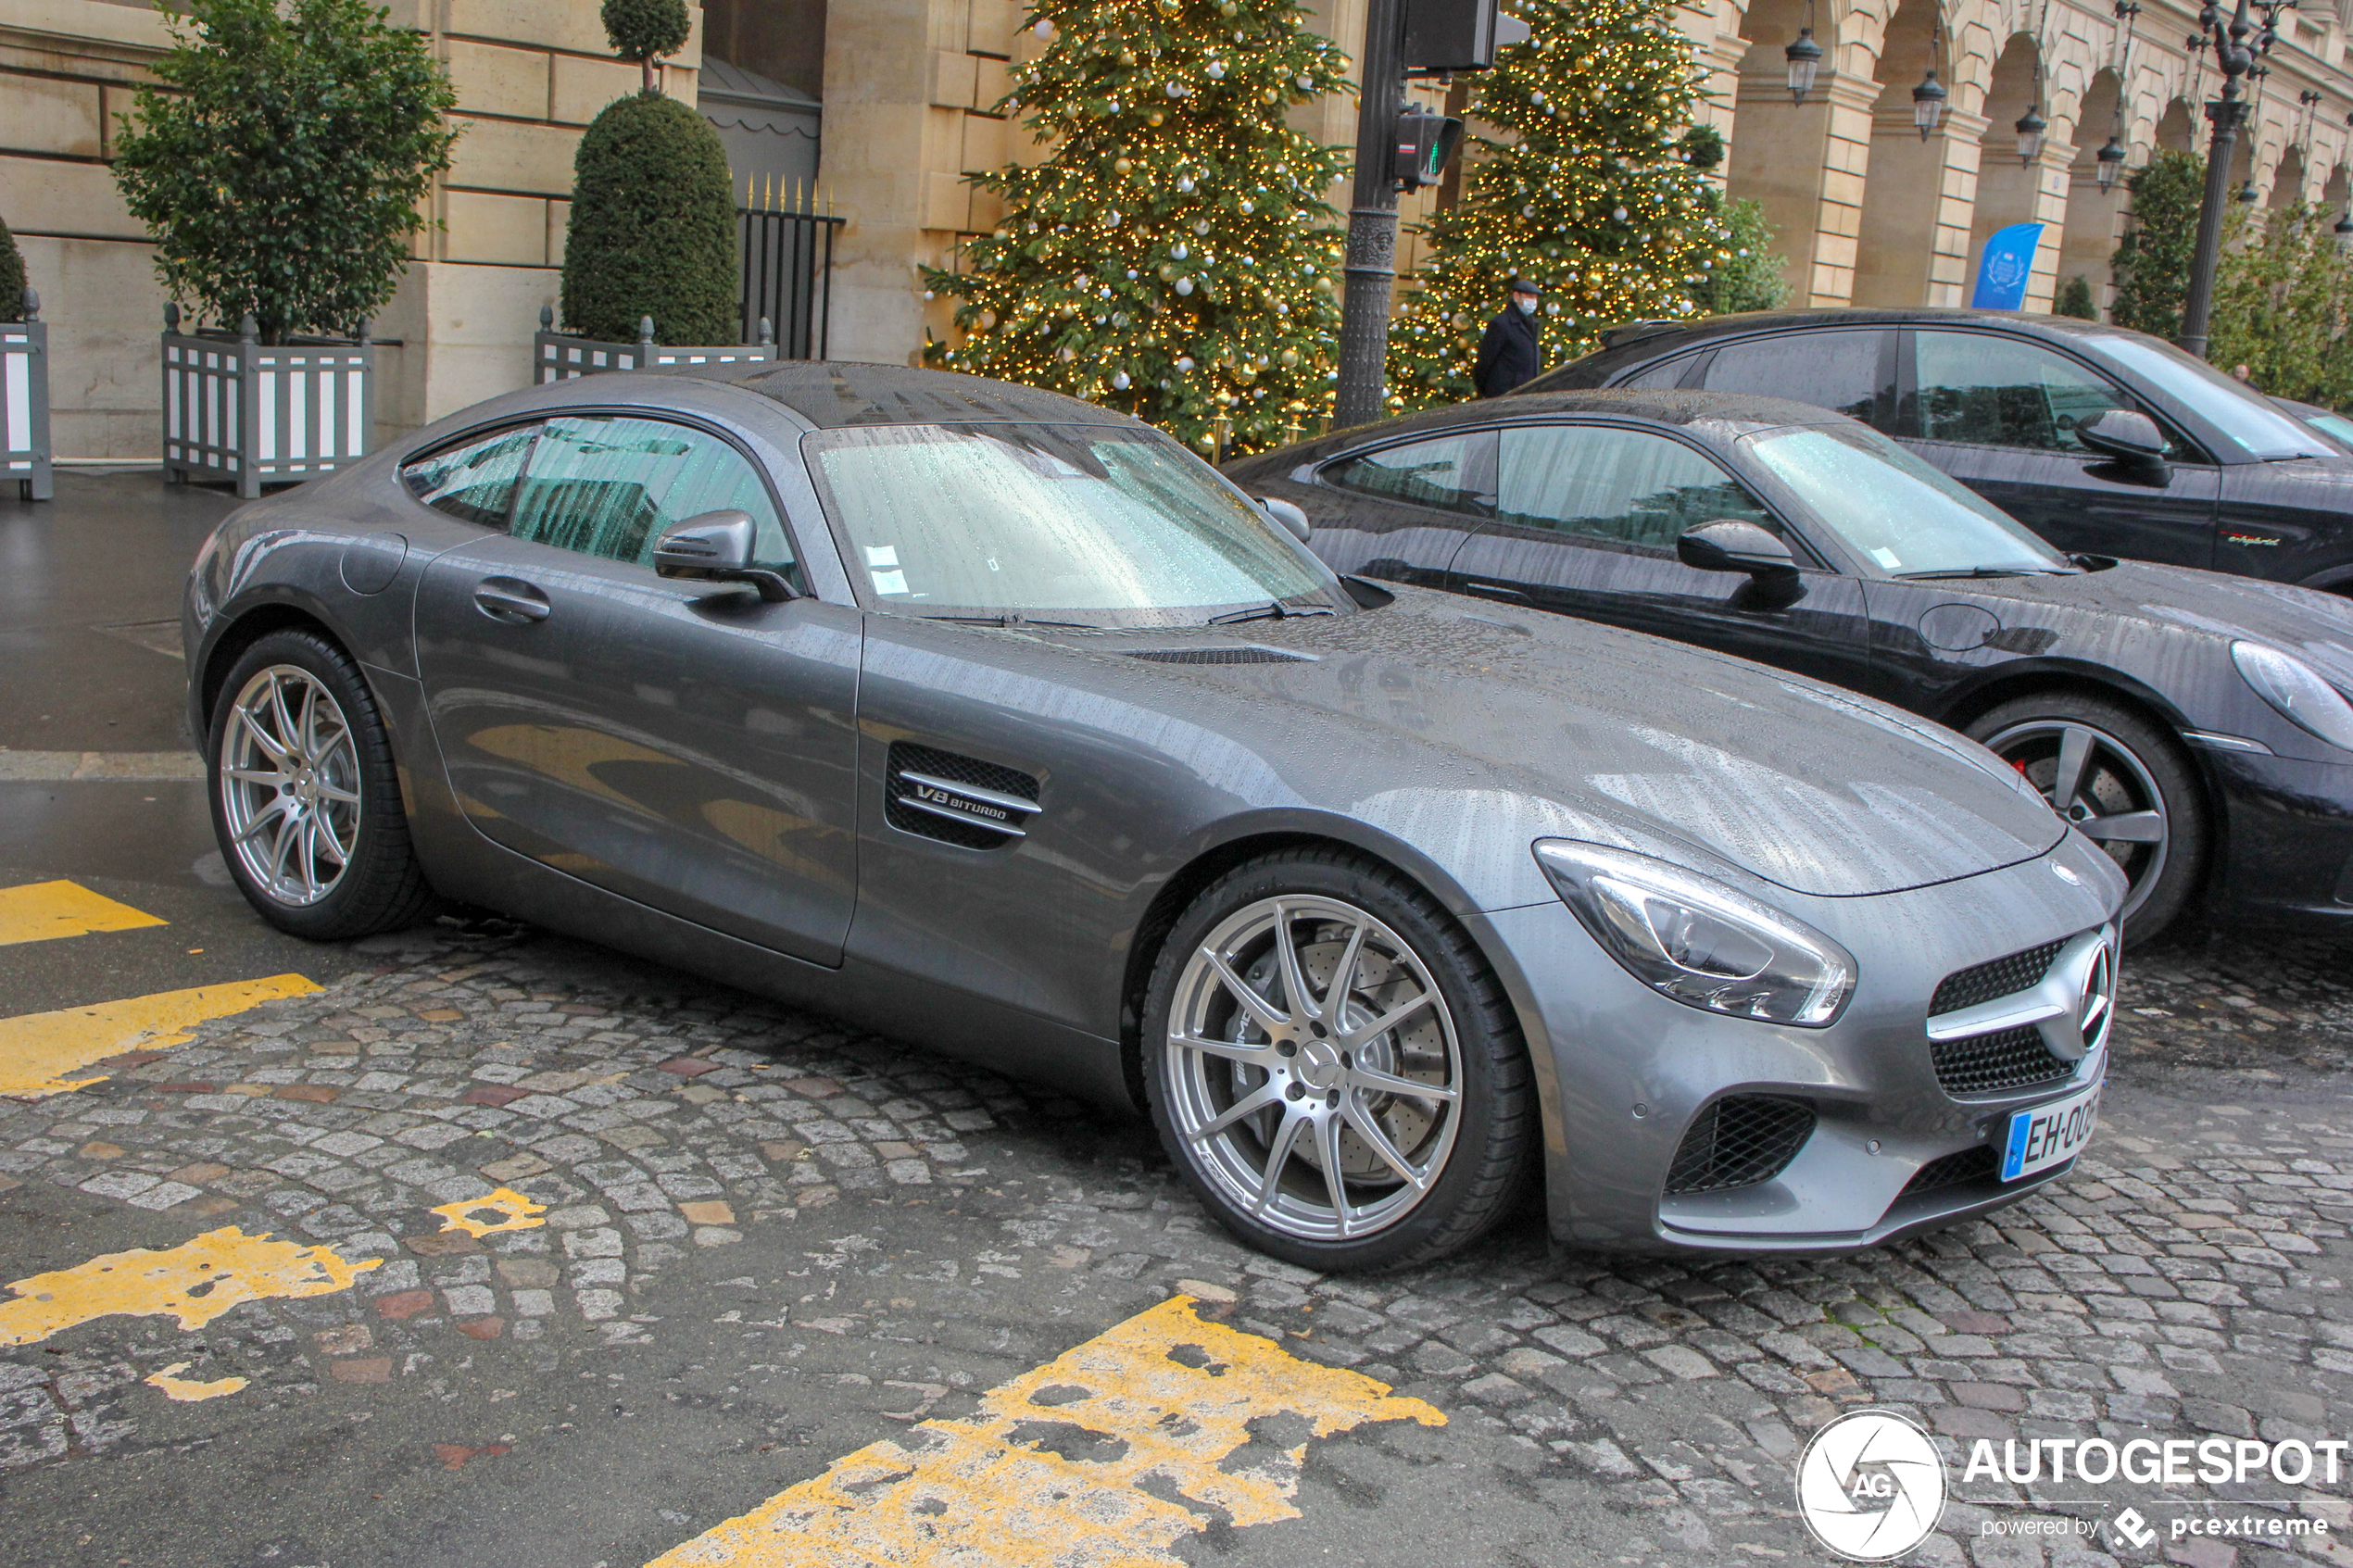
(306, 802)
(2116, 777)
(1333, 1066)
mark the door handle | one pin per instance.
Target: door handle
(1495, 590)
(509, 599)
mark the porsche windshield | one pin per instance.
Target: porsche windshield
(1096, 524)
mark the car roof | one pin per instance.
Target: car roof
(834, 394)
(1659, 406)
(1641, 339)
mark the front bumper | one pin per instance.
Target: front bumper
(1625, 1072)
(2286, 849)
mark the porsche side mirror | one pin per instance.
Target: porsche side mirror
(1729, 545)
(717, 548)
(1294, 519)
(2126, 436)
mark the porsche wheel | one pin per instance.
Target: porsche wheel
(305, 800)
(1333, 1067)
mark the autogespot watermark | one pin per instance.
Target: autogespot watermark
(1871, 1486)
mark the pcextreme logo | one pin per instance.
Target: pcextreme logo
(1871, 1485)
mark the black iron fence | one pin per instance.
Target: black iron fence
(788, 263)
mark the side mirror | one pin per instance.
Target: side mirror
(1290, 517)
(2126, 436)
(717, 548)
(1729, 545)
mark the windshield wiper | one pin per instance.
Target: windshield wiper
(1274, 610)
(1984, 572)
(1011, 618)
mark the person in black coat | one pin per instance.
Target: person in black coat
(1509, 355)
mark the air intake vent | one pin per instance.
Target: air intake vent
(1997, 1063)
(1739, 1141)
(1222, 656)
(956, 799)
(1979, 1164)
(2002, 977)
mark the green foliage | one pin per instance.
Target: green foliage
(2152, 266)
(646, 30)
(653, 228)
(1594, 195)
(2075, 299)
(11, 277)
(281, 161)
(1702, 147)
(2281, 297)
(1172, 256)
(1751, 278)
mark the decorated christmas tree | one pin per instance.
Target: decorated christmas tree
(1592, 191)
(1173, 256)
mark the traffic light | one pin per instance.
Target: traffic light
(1426, 144)
(1450, 35)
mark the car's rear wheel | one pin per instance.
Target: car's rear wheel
(305, 799)
(1333, 1066)
(2116, 777)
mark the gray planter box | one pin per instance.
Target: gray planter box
(252, 414)
(24, 402)
(559, 357)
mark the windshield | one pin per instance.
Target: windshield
(2334, 426)
(2246, 418)
(1893, 510)
(1100, 524)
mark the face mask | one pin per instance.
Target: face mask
(1527, 306)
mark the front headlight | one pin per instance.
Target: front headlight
(1693, 939)
(2296, 690)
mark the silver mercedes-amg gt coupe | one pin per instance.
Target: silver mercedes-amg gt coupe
(1000, 721)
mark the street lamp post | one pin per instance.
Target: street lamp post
(2235, 58)
(1371, 268)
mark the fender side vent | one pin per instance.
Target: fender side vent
(1252, 655)
(956, 799)
(1739, 1141)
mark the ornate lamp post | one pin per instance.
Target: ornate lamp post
(2108, 161)
(2235, 58)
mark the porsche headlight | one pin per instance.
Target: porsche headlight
(1693, 939)
(2296, 690)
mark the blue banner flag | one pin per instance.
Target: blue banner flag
(2003, 271)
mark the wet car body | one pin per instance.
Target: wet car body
(2158, 638)
(737, 786)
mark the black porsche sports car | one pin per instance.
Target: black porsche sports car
(2197, 725)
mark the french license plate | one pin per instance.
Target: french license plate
(2049, 1134)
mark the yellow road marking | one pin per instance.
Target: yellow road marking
(39, 1050)
(195, 1282)
(187, 1389)
(517, 1208)
(40, 912)
(1163, 1397)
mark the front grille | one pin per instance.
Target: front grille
(1222, 656)
(2002, 977)
(906, 757)
(1952, 1170)
(2008, 1058)
(1739, 1141)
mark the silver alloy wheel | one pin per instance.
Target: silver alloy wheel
(290, 784)
(1313, 1067)
(2105, 792)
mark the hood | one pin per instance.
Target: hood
(1634, 740)
(2316, 627)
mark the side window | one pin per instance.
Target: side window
(474, 480)
(1453, 474)
(1838, 371)
(610, 485)
(1661, 377)
(2000, 392)
(1625, 487)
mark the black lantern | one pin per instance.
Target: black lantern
(1928, 103)
(1804, 57)
(2029, 136)
(2248, 196)
(2111, 163)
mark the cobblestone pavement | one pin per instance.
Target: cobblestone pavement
(770, 1241)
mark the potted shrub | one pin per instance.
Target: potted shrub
(651, 273)
(280, 167)
(24, 378)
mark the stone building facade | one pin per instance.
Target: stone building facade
(1869, 212)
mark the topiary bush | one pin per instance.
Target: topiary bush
(2075, 299)
(653, 228)
(11, 277)
(643, 31)
(2151, 266)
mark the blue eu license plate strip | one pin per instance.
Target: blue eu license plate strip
(2049, 1134)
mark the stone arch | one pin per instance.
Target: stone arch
(1905, 188)
(2094, 217)
(2008, 190)
(2287, 179)
(1803, 162)
(2177, 128)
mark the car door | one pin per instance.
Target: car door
(1999, 414)
(1586, 518)
(1410, 504)
(683, 744)
(1848, 370)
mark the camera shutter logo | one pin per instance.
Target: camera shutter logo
(1871, 1485)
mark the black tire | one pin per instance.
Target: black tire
(380, 886)
(1472, 1181)
(2144, 761)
